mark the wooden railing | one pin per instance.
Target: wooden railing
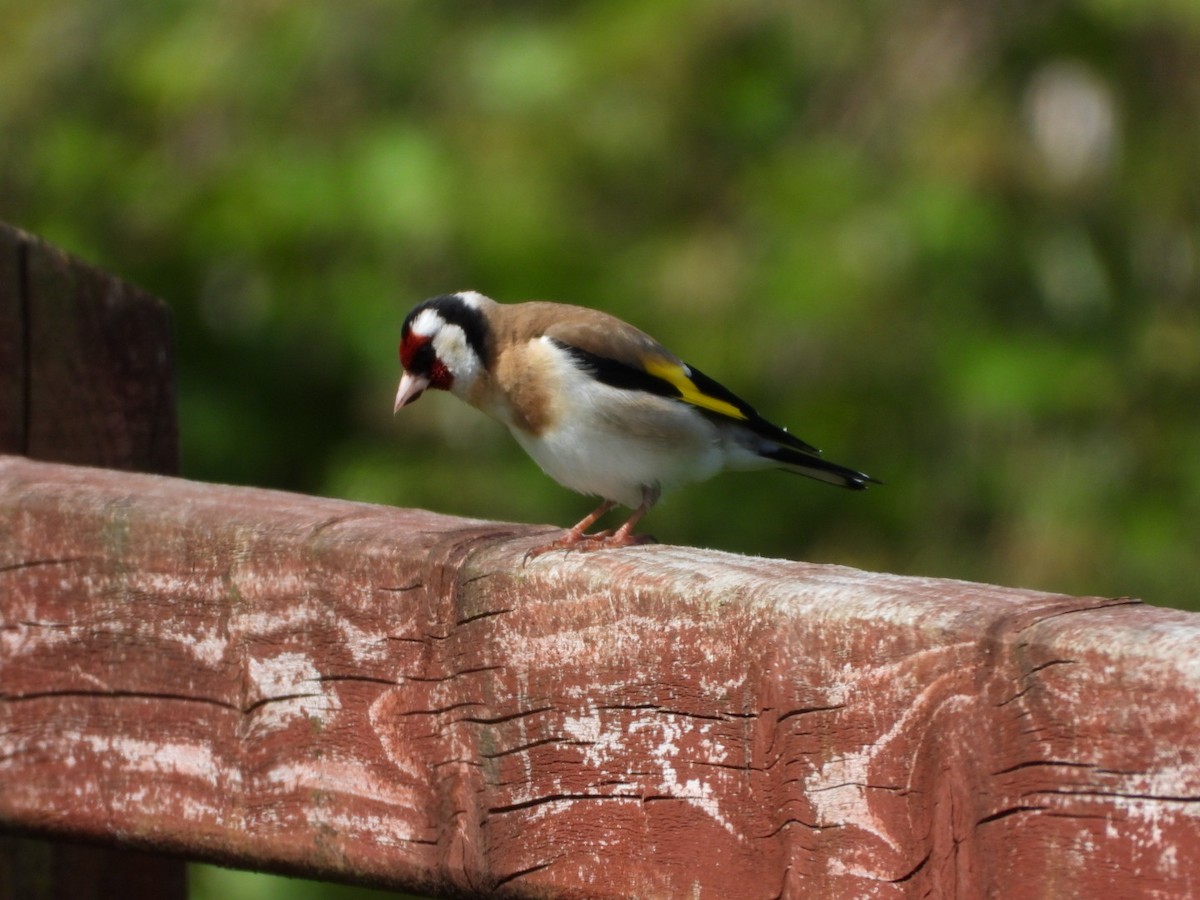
(390, 697)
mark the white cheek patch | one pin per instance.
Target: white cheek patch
(450, 345)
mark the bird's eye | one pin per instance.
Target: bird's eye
(423, 359)
(415, 353)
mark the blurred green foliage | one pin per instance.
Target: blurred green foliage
(212, 883)
(955, 245)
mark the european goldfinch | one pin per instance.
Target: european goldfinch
(602, 407)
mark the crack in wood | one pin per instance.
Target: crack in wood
(400, 589)
(521, 805)
(427, 639)
(540, 742)
(806, 710)
(364, 679)
(35, 563)
(431, 636)
(1040, 763)
(1112, 603)
(331, 522)
(793, 820)
(440, 710)
(116, 695)
(1087, 793)
(520, 873)
(1049, 663)
(1011, 811)
(665, 711)
(676, 798)
(787, 874)
(1124, 773)
(483, 615)
(1017, 696)
(733, 767)
(911, 873)
(283, 698)
(1033, 671)
(460, 673)
(790, 714)
(26, 623)
(506, 717)
(860, 784)
(480, 577)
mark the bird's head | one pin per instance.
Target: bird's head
(444, 344)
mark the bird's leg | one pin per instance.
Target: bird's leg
(624, 536)
(577, 534)
(578, 539)
(579, 529)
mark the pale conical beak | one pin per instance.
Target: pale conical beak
(411, 387)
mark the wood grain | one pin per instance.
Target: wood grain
(356, 692)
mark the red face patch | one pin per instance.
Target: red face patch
(409, 344)
(440, 376)
(418, 357)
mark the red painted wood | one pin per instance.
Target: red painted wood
(356, 692)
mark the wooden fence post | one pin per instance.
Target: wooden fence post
(86, 376)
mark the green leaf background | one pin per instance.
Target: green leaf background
(954, 246)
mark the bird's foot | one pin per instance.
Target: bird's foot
(585, 543)
(611, 540)
(574, 539)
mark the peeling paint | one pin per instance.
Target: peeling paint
(586, 728)
(347, 778)
(288, 686)
(364, 645)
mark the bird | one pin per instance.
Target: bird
(603, 408)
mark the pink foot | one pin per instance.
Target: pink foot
(613, 541)
(586, 543)
(578, 539)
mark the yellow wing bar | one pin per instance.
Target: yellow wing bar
(678, 377)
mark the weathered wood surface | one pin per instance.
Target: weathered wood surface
(85, 376)
(350, 691)
(86, 363)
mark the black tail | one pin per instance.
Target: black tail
(816, 467)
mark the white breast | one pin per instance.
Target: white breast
(611, 442)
